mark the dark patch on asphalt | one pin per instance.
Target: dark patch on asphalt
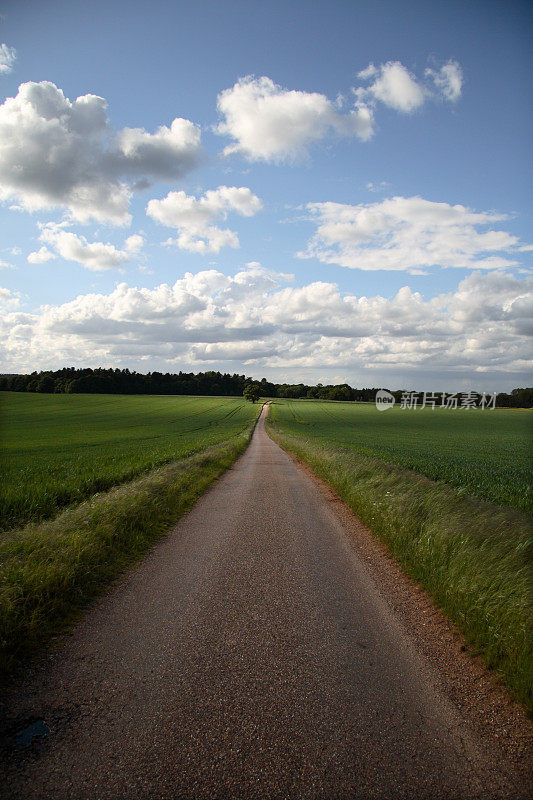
(35, 730)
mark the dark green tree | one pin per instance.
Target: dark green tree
(46, 384)
(252, 392)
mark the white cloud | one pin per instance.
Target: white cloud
(398, 88)
(55, 153)
(8, 56)
(134, 244)
(96, 256)
(377, 187)
(409, 233)
(167, 153)
(448, 80)
(394, 85)
(9, 299)
(40, 256)
(193, 217)
(252, 321)
(270, 123)
(6, 265)
(368, 72)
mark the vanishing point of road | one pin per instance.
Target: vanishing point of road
(249, 655)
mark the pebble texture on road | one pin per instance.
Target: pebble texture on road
(250, 655)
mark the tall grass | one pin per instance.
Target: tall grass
(49, 571)
(473, 557)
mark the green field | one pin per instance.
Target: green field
(59, 449)
(485, 453)
(97, 479)
(447, 492)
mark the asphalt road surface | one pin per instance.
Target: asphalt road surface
(250, 655)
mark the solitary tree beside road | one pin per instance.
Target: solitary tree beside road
(252, 392)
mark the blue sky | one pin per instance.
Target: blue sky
(368, 207)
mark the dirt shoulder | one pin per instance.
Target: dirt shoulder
(461, 674)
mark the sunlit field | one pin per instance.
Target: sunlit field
(447, 491)
(485, 453)
(58, 449)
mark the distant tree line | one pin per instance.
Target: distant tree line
(121, 381)
(517, 398)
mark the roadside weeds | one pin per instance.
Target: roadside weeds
(50, 571)
(458, 548)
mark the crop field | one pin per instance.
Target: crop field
(484, 453)
(447, 491)
(60, 449)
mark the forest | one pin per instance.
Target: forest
(70, 380)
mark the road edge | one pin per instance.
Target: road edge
(477, 693)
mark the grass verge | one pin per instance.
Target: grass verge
(473, 557)
(50, 571)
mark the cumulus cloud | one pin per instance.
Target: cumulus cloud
(9, 299)
(192, 216)
(8, 56)
(448, 80)
(409, 233)
(270, 123)
(6, 265)
(254, 321)
(167, 153)
(40, 256)
(96, 256)
(55, 153)
(395, 86)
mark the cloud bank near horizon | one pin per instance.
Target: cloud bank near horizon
(254, 318)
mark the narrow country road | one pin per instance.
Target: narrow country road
(250, 655)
